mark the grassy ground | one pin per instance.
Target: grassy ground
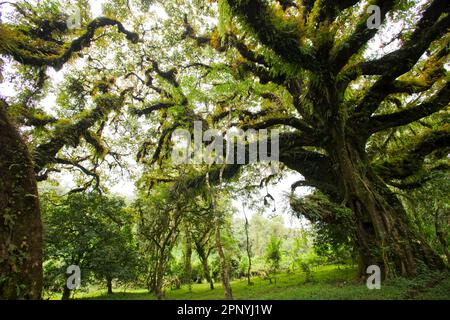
(329, 282)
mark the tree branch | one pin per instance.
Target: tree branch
(70, 135)
(396, 63)
(154, 107)
(428, 29)
(75, 46)
(411, 161)
(281, 38)
(287, 121)
(385, 121)
(360, 36)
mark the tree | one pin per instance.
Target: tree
(117, 258)
(332, 101)
(175, 204)
(160, 218)
(273, 256)
(332, 224)
(428, 208)
(37, 37)
(20, 229)
(90, 231)
(188, 257)
(202, 233)
(309, 70)
(224, 264)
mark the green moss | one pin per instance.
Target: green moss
(95, 141)
(108, 101)
(225, 18)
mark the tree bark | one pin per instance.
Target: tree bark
(109, 285)
(20, 217)
(206, 271)
(385, 236)
(188, 258)
(66, 293)
(159, 282)
(249, 253)
(225, 270)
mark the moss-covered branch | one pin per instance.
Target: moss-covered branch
(48, 53)
(283, 38)
(408, 115)
(358, 38)
(70, 134)
(411, 162)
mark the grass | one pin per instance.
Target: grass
(329, 282)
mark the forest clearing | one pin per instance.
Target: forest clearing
(331, 282)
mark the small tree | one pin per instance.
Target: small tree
(159, 220)
(273, 256)
(117, 259)
(91, 231)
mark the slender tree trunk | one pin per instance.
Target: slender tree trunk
(249, 253)
(384, 234)
(225, 274)
(20, 217)
(66, 293)
(151, 279)
(109, 285)
(188, 258)
(225, 270)
(159, 283)
(206, 271)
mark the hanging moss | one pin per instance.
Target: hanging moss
(107, 102)
(95, 141)
(225, 17)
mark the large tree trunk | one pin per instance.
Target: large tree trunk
(151, 279)
(159, 290)
(385, 236)
(20, 218)
(159, 275)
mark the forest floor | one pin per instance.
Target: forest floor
(328, 282)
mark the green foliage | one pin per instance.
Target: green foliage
(225, 17)
(91, 231)
(273, 254)
(429, 209)
(307, 271)
(333, 227)
(27, 37)
(283, 68)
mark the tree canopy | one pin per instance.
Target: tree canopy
(362, 115)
